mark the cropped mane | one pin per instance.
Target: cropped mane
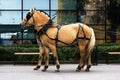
(45, 13)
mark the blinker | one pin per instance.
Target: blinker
(29, 15)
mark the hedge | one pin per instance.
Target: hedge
(103, 48)
(64, 53)
(7, 52)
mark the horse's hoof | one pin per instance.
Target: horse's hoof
(77, 70)
(36, 68)
(57, 70)
(58, 66)
(43, 70)
(87, 70)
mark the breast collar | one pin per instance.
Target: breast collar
(44, 28)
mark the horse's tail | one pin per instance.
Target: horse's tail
(91, 44)
(92, 41)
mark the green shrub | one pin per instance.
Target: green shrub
(64, 53)
(104, 48)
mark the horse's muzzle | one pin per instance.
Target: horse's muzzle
(22, 25)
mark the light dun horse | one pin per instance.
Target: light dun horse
(49, 35)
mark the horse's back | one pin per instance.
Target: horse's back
(70, 29)
(68, 33)
(87, 30)
(73, 29)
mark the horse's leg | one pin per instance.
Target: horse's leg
(46, 59)
(53, 49)
(89, 63)
(82, 56)
(41, 49)
(90, 47)
(82, 52)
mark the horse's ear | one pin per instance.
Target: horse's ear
(30, 10)
(33, 10)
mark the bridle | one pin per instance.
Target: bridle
(28, 17)
(48, 25)
(44, 27)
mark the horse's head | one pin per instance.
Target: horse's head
(36, 18)
(28, 20)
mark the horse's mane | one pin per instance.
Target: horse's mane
(45, 13)
(28, 16)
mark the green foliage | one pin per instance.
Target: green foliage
(7, 52)
(66, 17)
(117, 1)
(64, 53)
(67, 53)
(104, 48)
(68, 4)
(113, 12)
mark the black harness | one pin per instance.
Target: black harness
(48, 25)
(44, 28)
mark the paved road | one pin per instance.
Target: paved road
(26, 72)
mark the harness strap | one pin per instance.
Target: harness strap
(83, 34)
(58, 28)
(75, 42)
(56, 38)
(43, 31)
(83, 31)
(83, 38)
(44, 28)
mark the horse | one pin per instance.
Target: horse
(51, 35)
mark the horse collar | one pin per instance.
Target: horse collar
(44, 28)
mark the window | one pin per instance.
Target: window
(10, 17)
(39, 4)
(7, 35)
(8, 4)
(54, 4)
(67, 4)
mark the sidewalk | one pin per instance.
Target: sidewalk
(26, 72)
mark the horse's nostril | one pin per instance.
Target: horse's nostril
(22, 25)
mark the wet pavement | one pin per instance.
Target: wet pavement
(67, 72)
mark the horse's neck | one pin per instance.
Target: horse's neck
(40, 18)
(37, 28)
(54, 24)
(39, 23)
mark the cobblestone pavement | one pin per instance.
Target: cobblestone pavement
(67, 72)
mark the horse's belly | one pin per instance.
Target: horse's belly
(66, 38)
(66, 43)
